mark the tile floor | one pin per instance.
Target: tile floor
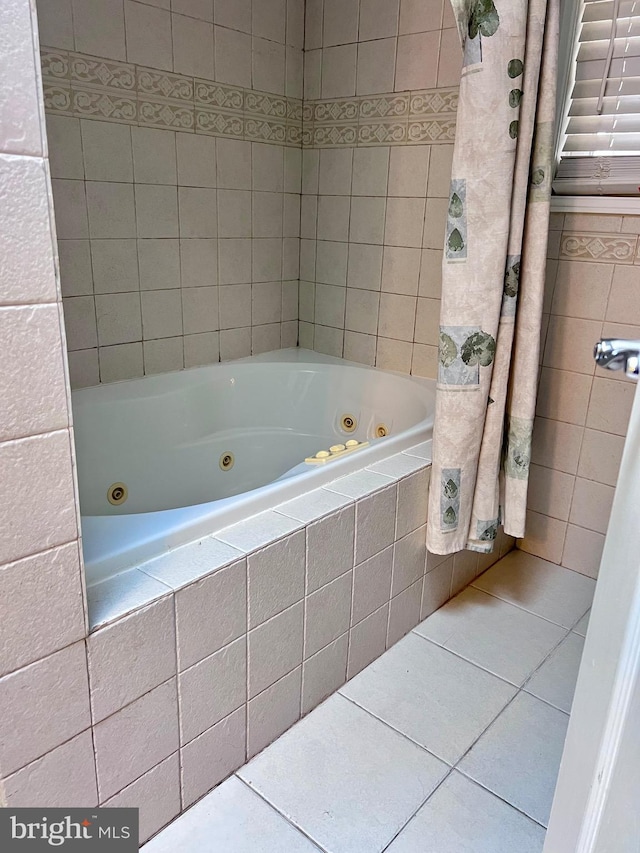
(448, 743)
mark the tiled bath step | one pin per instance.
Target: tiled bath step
(448, 743)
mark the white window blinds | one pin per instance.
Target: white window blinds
(600, 146)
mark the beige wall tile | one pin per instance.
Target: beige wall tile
(556, 445)
(404, 612)
(563, 395)
(360, 348)
(156, 795)
(44, 705)
(610, 406)
(465, 569)
(212, 689)
(417, 16)
(330, 548)
(400, 270)
(148, 32)
(630, 225)
(224, 592)
(570, 344)
(582, 289)
(367, 640)
(437, 587)
(394, 355)
(544, 537)
(371, 584)
(600, 456)
(408, 170)
(213, 756)
(37, 503)
(417, 61)
(591, 505)
(273, 711)
(592, 222)
(65, 775)
(450, 62)
(324, 673)
(99, 28)
(136, 738)
(430, 284)
(327, 613)
(550, 492)
(276, 578)
(397, 316)
(409, 560)
(624, 302)
(375, 523)
(25, 241)
(425, 361)
(412, 502)
(40, 619)
(131, 657)
(428, 321)
(376, 66)
(583, 550)
(31, 357)
(275, 648)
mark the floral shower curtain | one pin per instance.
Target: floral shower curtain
(493, 272)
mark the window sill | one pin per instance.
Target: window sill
(628, 206)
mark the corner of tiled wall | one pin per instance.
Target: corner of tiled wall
(592, 288)
(174, 133)
(381, 82)
(43, 665)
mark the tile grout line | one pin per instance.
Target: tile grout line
(280, 813)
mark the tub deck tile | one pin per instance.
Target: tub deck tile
(360, 484)
(191, 562)
(400, 465)
(119, 595)
(258, 531)
(314, 505)
(424, 451)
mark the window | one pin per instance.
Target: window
(599, 139)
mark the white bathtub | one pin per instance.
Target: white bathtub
(163, 437)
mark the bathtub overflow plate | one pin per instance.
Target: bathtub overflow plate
(227, 460)
(117, 494)
(348, 423)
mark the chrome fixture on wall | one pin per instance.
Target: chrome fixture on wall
(615, 354)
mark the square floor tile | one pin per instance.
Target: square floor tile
(461, 817)
(231, 818)
(350, 781)
(429, 694)
(555, 681)
(543, 588)
(493, 634)
(518, 758)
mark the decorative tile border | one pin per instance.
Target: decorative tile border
(610, 248)
(406, 118)
(90, 87)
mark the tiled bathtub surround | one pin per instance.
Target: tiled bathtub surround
(381, 86)
(477, 695)
(200, 658)
(43, 667)
(175, 136)
(87, 86)
(593, 290)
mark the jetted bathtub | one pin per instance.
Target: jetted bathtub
(170, 439)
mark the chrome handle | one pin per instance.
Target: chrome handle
(615, 354)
